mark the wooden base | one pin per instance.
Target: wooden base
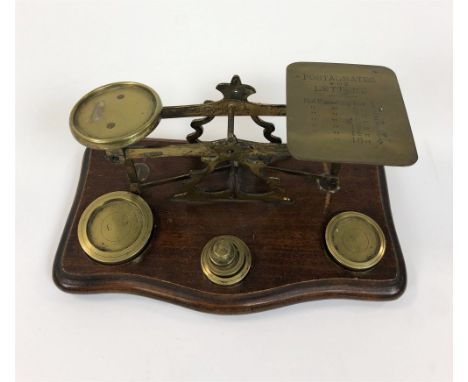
(290, 260)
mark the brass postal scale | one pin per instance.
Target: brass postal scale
(234, 226)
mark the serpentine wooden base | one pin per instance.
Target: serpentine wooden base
(290, 260)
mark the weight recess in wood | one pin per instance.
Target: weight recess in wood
(290, 259)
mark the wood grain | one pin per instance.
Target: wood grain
(290, 260)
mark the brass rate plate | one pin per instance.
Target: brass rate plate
(115, 227)
(345, 113)
(116, 115)
(355, 240)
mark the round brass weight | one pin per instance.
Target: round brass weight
(355, 240)
(226, 260)
(115, 227)
(116, 115)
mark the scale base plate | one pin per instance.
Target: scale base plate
(290, 262)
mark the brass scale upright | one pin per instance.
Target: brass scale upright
(341, 119)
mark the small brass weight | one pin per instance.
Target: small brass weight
(336, 114)
(226, 260)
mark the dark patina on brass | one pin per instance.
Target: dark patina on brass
(336, 113)
(228, 155)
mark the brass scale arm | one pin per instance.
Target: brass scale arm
(225, 154)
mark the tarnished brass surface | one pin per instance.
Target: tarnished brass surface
(344, 113)
(355, 240)
(116, 115)
(335, 113)
(226, 260)
(115, 227)
(254, 156)
(238, 150)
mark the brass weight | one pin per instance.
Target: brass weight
(115, 227)
(226, 260)
(355, 240)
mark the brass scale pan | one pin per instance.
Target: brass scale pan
(116, 226)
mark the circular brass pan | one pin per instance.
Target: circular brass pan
(355, 240)
(226, 260)
(116, 115)
(115, 227)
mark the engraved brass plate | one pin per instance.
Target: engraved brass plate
(116, 115)
(347, 113)
(115, 227)
(226, 260)
(355, 240)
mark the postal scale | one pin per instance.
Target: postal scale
(231, 225)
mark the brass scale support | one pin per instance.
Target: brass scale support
(225, 154)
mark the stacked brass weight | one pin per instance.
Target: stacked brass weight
(226, 260)
(336, 113)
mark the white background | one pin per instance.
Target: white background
(183, 49)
